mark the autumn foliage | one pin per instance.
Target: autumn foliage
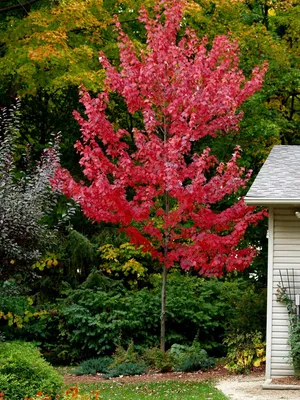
(151, 182)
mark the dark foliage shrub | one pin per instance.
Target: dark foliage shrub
(94, 365)
(25, 201)
(23, 372)
(126, 369)
(191, 358)
(248, 303)
(92, 318)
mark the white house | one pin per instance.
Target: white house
(277, 187)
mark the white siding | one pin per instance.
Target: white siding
(285, 256)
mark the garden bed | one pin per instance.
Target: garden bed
(216, 373)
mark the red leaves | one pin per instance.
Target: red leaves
(184, 93)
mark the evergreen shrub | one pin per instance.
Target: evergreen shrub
(94, 366)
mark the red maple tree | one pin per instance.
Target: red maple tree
(184, 93)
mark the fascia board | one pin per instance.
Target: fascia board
(259, 201)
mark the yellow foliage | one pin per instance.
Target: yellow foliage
(30, 301)
(43, 52)
(122, 262)
(20, 320)
(46, 262)
(272, 12)
(257, 363)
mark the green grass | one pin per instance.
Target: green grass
(174, 390)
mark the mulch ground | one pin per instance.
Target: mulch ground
(288, 380)
(217, 373)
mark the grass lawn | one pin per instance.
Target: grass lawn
(154, 390)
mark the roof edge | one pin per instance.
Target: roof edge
(260, 201)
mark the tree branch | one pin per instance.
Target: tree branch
(18, 6)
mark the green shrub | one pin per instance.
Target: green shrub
(245, 351)
(94, 365)
(126, 369)
(122, 356)
(23, 372)
(90, 319)
(191, 358)
(294, 341)
(158, 360)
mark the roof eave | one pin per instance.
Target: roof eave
(260, 201)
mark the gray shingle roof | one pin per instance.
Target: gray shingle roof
(278, 181)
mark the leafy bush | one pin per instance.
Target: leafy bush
(92, 319)
(191, 358)
(245, 351)
(25, 200)
(23, 372)
(89, 320)
(94, 365)
(159, 360)
(126, 369)
(101, 310)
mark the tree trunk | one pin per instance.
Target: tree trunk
(164, 281)
(163, 309)
(166, 248)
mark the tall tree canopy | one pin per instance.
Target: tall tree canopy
(150, 181)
